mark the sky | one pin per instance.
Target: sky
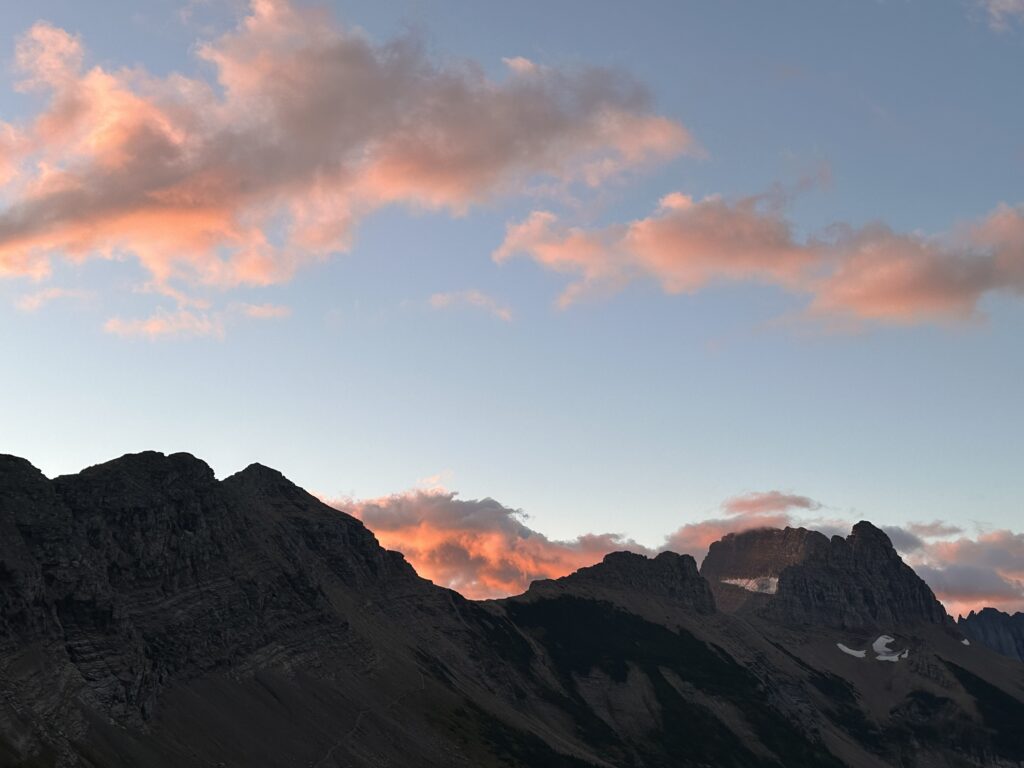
(521, 283)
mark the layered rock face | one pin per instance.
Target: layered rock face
(856, 582)
(146, 569)
(995, 629)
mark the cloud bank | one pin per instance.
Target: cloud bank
(306, 128)
(484, 549)
(870, 274)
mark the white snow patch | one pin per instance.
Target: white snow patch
(850, 652)
(884, 653)
(766, 585)
(965, 641)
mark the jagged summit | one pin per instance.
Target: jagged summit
(667, 576)
(803, 577)
(1000, 631)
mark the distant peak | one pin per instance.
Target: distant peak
(867, 530)
(668, 575)
(152, 463)
(261, 477)
(259, 470)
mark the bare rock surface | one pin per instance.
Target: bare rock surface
(852, 582)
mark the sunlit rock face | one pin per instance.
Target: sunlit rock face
(997, 630)
(857, 581)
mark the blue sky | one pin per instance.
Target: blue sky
(634, 410)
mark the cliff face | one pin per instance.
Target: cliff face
(146, 570)
(153, 615)
(853, 582)
(997, 630)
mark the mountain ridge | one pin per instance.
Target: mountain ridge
(151, 614)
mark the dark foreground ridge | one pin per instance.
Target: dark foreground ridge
(151, 615)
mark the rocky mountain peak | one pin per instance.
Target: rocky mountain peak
(667, 576)
(803, 577)
(261, 479)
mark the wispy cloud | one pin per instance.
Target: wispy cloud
(471, 298)
(265, 311)
(1002, 13)
(165, 324)
(32, 302)
(192, 322)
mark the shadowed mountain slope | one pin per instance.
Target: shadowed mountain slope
(153, 615)
(995, 629)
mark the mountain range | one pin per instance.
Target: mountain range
(153, 615)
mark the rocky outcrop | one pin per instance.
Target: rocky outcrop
(805, 578)
(995, 629)
(743, 568)
(668, 576)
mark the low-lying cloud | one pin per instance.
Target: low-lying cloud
(478, 547)
(484, 549)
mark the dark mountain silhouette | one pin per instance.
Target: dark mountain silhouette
(998, 630)
(151, 615)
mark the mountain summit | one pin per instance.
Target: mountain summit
(153, 615)
(803, 577)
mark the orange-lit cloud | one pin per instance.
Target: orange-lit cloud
(484, 549)
(308, 128)
(471, 298)
(480, 547)
(866, 274)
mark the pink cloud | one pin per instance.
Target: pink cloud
(265, 311)
(1002, 13)
(310, 128)
(768, 502)
(868, 274)
(32, 302)
(472, 298)
(164, 324)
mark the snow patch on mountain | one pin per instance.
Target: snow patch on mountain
(765, 585)
(850, 651)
